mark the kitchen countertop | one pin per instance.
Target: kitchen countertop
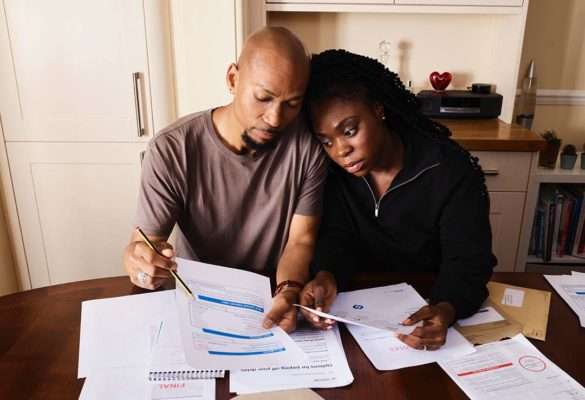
(492, 135)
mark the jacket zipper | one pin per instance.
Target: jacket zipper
(379, 201)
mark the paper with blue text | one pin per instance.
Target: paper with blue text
(222, 327)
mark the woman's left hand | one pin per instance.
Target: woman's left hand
(433, 332)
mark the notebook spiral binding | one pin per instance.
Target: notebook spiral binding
(157, 376)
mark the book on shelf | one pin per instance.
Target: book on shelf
(558, 229)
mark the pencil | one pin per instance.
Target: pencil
(173, 273)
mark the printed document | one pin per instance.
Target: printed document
(509, 370)
(222, 327)
(385, 307)
(326, 366)
(571, 288)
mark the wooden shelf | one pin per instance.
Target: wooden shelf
(492, 135)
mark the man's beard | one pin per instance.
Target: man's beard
(256, 146)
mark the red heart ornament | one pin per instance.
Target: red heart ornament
(440, 81)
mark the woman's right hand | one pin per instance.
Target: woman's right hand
(319, 294)
(145, 267)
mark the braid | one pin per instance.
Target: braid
(341, 74)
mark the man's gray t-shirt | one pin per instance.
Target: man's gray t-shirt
(232, 210)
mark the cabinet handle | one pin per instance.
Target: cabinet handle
(141, 157)
(491, 172)
(136, 80)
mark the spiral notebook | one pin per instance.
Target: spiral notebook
(168, 361)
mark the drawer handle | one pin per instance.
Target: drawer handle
(491, 172)
(136, 81)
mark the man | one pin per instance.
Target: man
(243, 182)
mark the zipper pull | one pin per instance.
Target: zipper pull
(376, 209)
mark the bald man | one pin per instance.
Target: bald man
(242, 182)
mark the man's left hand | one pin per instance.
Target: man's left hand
(433, 332)
(283, 313)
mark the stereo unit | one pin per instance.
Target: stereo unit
(459, 104)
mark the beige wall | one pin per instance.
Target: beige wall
(555, 39)
(474, 48)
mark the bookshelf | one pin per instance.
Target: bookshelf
(539, 176)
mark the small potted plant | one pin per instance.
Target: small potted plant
(548, 155)
(583, 157)
(568, 156)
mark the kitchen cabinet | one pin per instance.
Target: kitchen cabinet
(84, 85)
(76, 203)
(506, 176)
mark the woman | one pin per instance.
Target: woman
(401, 195)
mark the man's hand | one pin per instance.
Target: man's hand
(283, 313)
(141, 260)
(433, 333)
(319, 294)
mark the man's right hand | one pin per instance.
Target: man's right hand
(141, 261)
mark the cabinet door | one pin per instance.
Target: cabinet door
(76, 203)
(505, 219)
(67, 69)
(487, 3)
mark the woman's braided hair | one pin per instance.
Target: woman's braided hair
(342, 74)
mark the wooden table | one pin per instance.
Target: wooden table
(39, 340)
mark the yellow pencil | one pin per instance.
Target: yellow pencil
(173, 273)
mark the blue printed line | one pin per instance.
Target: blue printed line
(246, 353)
(230, 303)
(580, 293)
(234, 335)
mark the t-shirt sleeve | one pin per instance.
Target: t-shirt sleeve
(161, 197)
(310, 202)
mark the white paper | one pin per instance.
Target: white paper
(389, 327)
(121, 384)
(393, 303)
(168, 357)
(131, 384)
(510, 370)
(482, 316)
(222, 327)
(571, 289)
(114, 332)
(513, 297)
(326, 366)
(382, 307)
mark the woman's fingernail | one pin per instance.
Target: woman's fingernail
(316, 319)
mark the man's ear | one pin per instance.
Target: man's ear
(232, 76)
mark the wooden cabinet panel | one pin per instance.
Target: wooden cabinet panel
(505, 171)
(67, 69)
(76, 203)
(505, 219)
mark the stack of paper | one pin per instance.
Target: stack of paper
(571, 288)
(373, 316)
(509, 370)
(326, 366)
(115, 349)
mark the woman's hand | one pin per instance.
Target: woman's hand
(319, 294)
(433, 332)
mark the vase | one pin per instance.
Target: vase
(568, 161)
